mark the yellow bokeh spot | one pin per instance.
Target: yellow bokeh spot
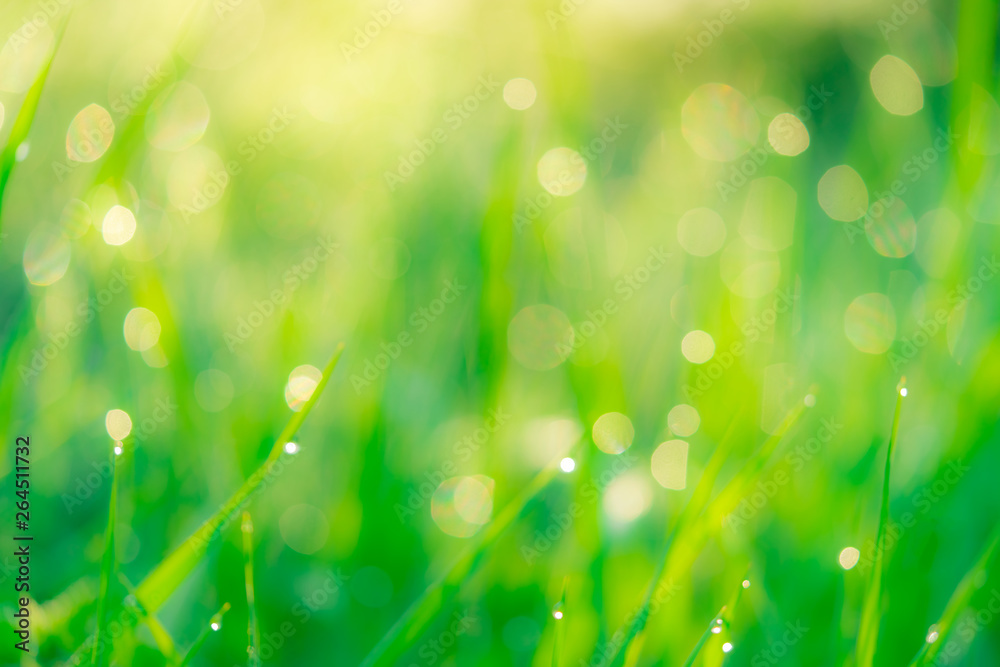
(719, 123)
(118, 423)
(698, 347)
(870, 323)
(896, 86)
(302, 382)
(849, 557)
(142, 329)
(669, 464)
(519, 94)
(683, 420)
(701, 232)
(787, 134)
(119, 226)
(613, 433)
(842, 194)
(562, 171)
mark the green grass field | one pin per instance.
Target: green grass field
(579, 333)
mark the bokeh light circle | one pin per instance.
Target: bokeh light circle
(302, 382)
(519, 94)
(669, 464)
(118, 424)
(627, 497)
(613, 433)
(46, 256)
(562, 171)
(787, 134)
(842, 193)
(304, 528)
(90, 134)
(891, 229)
(701, 232)
(178, 117)
(460, 506)
(142, 329)
(540, 337)
(118, 227)
(849, 557)
(896, 86)
(473, 499)
(698, 346)
(683, 420)
(719, 123)
(870, 323)
(75, 219)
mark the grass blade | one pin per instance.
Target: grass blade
(704, 638)
(416, 618)
(163, 640)
(692, 519)
(26, 116)
(213, 626)
(872, 607)
(559, 639)
(694, 506)
(960, 600)
(162, 581)
(97, 656)
(718, 631)
(742, 484)
(253, 630)
(172, 570)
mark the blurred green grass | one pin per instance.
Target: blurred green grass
(276, 143)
